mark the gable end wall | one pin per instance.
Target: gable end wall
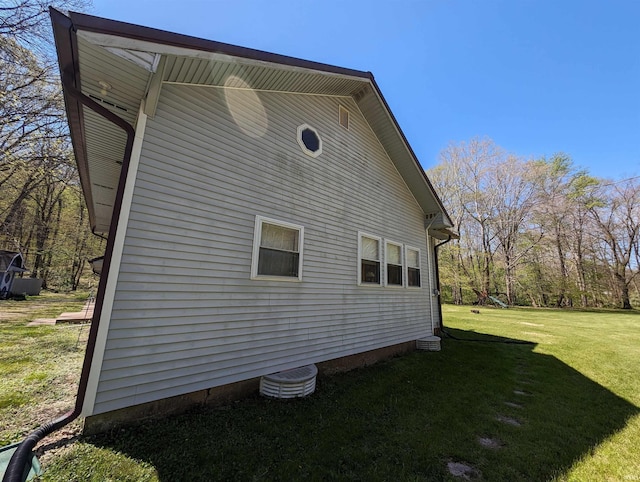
(186, 314)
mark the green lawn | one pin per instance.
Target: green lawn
(39, 365)
(575, 393)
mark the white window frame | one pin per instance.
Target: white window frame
(406, 266)
(403, 268)
(380, 259)
(304, 148)
(257, 235)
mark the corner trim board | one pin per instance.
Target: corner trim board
(114, 268)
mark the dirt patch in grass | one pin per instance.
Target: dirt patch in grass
(56, 443)
(490, 443)
(463, 471)
(509, 420)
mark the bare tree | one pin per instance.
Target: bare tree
(27, 21)
(515, 184)
(615, 208)
(36, 165)
(472, 165)
(455, 270)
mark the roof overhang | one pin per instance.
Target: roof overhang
(122, 67)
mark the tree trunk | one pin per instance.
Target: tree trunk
(623, 287)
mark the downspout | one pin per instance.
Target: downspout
(430, 283)
(15, 469)
(435, 257)
(93, 231)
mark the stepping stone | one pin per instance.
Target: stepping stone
(525, 382)
(513, 404)
(465, 471)
(509, 421)
(76, 316)
(42, 321)
(490, 443)
(523, 393)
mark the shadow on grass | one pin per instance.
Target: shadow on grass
(403, 419)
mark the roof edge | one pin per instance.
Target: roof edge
(80, 21)
(66, 51)
(410, 149)
(92, 23)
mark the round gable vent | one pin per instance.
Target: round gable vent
(309, 140)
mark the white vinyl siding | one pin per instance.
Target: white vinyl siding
(187, 315)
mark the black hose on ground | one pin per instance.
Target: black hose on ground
(506, 342)
(18, 471)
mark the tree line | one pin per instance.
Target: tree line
(42, 211)
(538, 232)
(532, 232)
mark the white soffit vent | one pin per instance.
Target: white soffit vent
(343, 117)
(429, 343)
(298, 382)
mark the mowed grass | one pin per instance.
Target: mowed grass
(573, 392)
(600, 346)
(39, 365)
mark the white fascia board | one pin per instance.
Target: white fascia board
(114, 268)
(114, 41)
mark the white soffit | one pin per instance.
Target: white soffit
(123, 43)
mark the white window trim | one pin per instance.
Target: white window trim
(301, 143)
(257, 235)
(402, 261)
(406, 267)
(381, 260)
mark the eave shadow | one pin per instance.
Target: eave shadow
(403, 419)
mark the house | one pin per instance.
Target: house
(262, 213)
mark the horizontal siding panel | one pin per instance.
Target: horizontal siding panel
(195, 374)
(138, 319)
(186, 315)
(133, 334)
(167, 387)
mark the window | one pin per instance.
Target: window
(413, 267)
(277, 250)
(343, 117)
(369, 254)
(393, 257)
(309, 140)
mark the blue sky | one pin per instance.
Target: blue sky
(536, 76)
